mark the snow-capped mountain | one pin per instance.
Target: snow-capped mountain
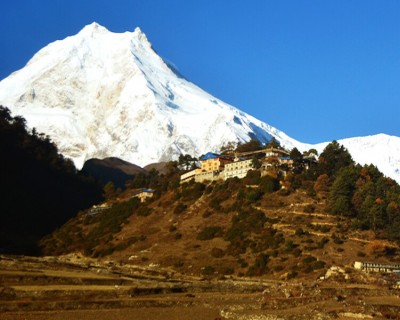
(99, 94)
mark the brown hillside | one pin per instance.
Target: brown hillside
(216, 231)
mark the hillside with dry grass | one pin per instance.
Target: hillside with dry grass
(236, 227)
(280, 245)
(223, 250)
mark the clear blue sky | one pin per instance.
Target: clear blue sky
(317, 70)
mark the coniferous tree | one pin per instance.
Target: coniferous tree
(342, 191)
(273, 143)
(297, 158)
(333, 158)
(187, 162)
(252, 145)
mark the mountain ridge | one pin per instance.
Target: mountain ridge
(112, 170)
(99, 94)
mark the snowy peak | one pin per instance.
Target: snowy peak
(92, 29)
(141, 37)
(101, 94)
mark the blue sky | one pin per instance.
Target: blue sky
(317, 70)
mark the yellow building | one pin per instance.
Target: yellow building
(213, 162)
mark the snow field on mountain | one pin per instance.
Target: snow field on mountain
(99, 94)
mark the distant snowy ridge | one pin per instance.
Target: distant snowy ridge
(99, 94)
(381, 150)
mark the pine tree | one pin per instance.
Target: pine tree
(342, 191)
(333, 158)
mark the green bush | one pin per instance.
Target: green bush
(325, 228)
(268, 184)
(299, 232)
(228, 271)
(253, 195)
(238, 246)
(322, 228)
(246, 222)
(178, 264)
(144, 211)
(308, 269)
(178, 235)
(297, 252)
(252, 177)
(319, 264)
(268, 238)
(260, 266)
(361, 254)
(309, 259)
(192, 191)
(209, 233)
(215, 204)
(209, 189)
(323, 242)
(310, 208)
(290, 246)
(180, 208)
(336, 239)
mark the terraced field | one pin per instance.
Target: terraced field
(73, 287)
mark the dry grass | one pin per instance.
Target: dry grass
(362, 296)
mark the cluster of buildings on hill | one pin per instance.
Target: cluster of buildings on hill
(222, 167)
